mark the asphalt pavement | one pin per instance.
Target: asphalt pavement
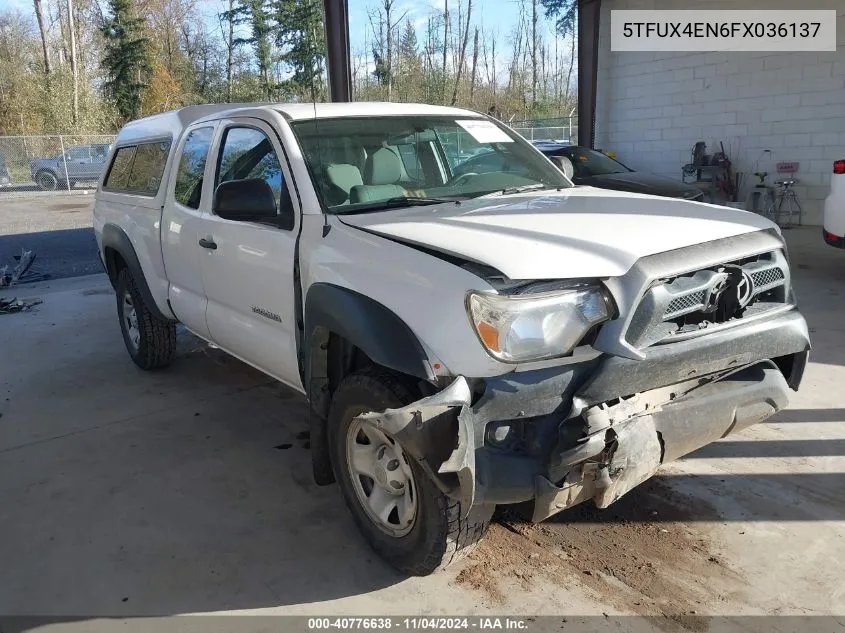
(57, 227)
(60, 253)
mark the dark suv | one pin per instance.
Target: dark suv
(78, 163)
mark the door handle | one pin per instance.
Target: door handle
(207, 243)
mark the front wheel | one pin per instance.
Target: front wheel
(150, 341)
(405, 518)
(47, 181)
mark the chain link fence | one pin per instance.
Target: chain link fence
(547, 133)
(553, 129)
(58, 164)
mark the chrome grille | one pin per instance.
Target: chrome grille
(696, 301)
(767, 277)
(685, 302)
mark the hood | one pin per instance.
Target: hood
(578, 232)
(642, 182)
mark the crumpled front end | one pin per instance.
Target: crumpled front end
(595, 427)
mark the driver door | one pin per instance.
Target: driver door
(247, 267)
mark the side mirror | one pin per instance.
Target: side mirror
(249, 200)
(565, 165)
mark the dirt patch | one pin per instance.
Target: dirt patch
(647, 554)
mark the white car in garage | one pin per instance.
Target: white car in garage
(834, 207)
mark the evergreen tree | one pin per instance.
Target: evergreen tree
(410, 74)
(125, 58)
(257, 14)
(563, 12)
(301, 35)
(408, 42)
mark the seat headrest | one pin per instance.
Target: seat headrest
(344, 176)
(382, 168)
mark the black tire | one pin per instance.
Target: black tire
(441, 533)
(47, 180)
(156, 342)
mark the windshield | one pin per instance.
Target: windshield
(587, 162)
(366, 163)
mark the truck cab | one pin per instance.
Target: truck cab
(464, 340)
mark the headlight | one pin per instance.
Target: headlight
(546, 321)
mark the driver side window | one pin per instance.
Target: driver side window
(247, 153)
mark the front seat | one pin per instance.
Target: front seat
(381, 171)
(342, 177)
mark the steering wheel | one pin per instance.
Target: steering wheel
(459, 179)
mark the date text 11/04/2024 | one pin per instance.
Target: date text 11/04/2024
(418, 623)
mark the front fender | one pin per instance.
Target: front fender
(372, 328)
(364, 322)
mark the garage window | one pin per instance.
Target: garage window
(138, 169)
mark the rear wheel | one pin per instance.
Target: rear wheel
(150, 341)
(405, 518)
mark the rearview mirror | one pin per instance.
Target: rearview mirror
(565, 165)
(249, 200)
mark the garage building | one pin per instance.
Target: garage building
(651, 108)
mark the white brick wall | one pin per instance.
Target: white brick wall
(653, 107)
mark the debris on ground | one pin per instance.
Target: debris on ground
(10, 306)
(21, 272)
(622, 554)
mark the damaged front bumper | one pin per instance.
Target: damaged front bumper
(594, 429)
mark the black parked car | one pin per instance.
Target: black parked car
(595, 169)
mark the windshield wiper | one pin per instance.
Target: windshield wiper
(394, 203)
(520, 189)
(535, 187)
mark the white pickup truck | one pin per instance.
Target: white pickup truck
(463, 341)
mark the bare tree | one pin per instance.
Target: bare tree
(462, 54)
(533, 53)
(474, 67)
(388, 10)
(445, 44)
(571, 64)
(227, 30)
(39, 16)
(384, 24)
(73, 62)
(63, 53)
(490, 64)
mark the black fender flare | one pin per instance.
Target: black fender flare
(48, 170)
(369, 325)
(115, 238)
